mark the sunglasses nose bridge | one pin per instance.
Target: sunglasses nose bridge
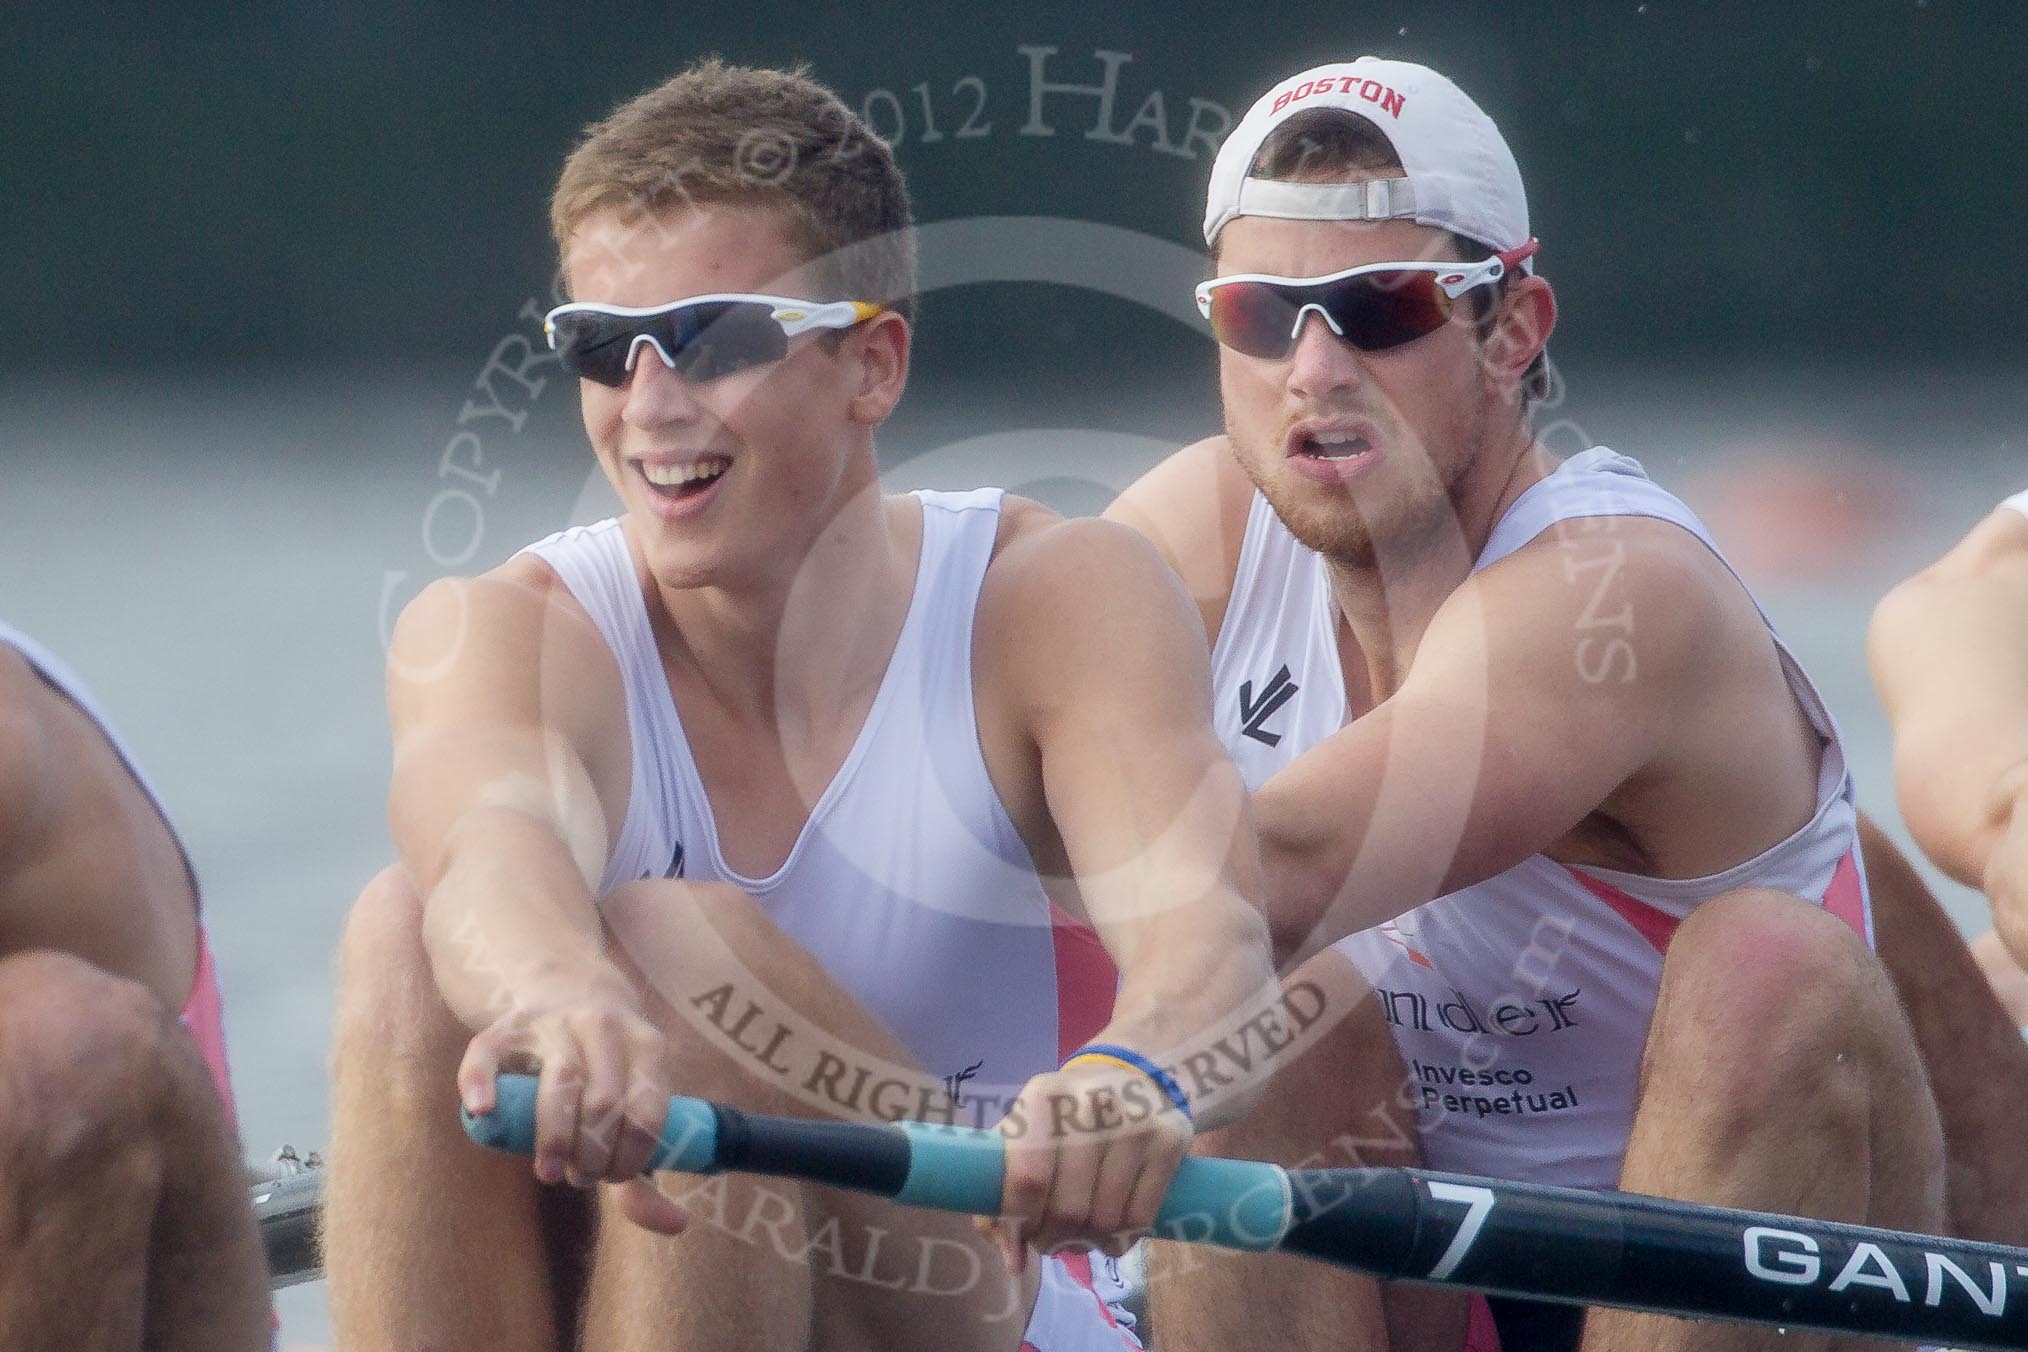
(656, 398)
(1312, 308)
(1321, 359)
(634, 350)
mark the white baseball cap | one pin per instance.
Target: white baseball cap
(1459, 174)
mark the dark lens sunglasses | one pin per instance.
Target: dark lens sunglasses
(1373, 307)
(699, 338)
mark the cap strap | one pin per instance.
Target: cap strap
(1377, 199)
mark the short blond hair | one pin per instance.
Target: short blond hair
(725, 135)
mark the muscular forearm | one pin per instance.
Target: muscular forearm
(1321, 887)
(1379, 819)
(1201, 998)
(510, 920)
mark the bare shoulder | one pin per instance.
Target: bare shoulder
(1070, 599)
(1640, 580)
(1054, 562)
(1193, 507)
(512, 642)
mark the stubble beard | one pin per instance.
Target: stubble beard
(1337, 525)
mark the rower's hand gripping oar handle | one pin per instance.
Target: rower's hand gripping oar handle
(1236, 1204)
(1529, 1239)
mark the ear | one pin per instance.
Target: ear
(1520, 330)
(879, 369)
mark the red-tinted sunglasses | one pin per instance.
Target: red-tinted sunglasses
(1373, 307)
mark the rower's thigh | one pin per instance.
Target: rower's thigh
(1779, 1075)
(1340, 1099)
(754, 1020)
(1971, 1044)
(429, 1239)
(122, 1190)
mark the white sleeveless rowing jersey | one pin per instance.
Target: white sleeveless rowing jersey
(203, 1013)
(2018, 502)
(1520, 1004)
(909, 883)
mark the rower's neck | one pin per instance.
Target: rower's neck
(1388, 602)
(804, 641)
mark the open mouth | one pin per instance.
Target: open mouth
(686, 480)
(1330, 445)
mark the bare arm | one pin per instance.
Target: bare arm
(87, 865)
(1096, 646)
(25, 767)
(1152, 813)
(495, 693)
(1515, 722)
(24, 763)
(1949, 653)
(491, 806)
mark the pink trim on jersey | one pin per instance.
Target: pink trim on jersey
(1846, 896)
(1655, 925)
(203, 1017)
(1077, 1265)
(1086, 981)
(1482, 1334)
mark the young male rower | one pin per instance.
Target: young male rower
(777, 790)
(1949, 651)
(1525, 753)
(125, 1203)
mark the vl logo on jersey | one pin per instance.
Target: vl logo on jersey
(954, 1085)
(675, 869)
(1254, 713)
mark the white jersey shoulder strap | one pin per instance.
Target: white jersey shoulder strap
(598, 568)
(1601, 482)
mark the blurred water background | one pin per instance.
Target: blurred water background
(272, 274)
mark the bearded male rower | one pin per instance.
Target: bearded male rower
(772, 788)
(124, 1197)
(1527, 759)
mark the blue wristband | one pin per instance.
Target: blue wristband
(1133, 1060)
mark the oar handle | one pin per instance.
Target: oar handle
(1525, 1239)
(1236, 1204)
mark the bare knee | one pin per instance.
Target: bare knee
(387, 995)
(88, 1059)
(1782, 1004)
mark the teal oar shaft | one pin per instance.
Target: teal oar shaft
(1560, 1244)
(1237, 1204)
